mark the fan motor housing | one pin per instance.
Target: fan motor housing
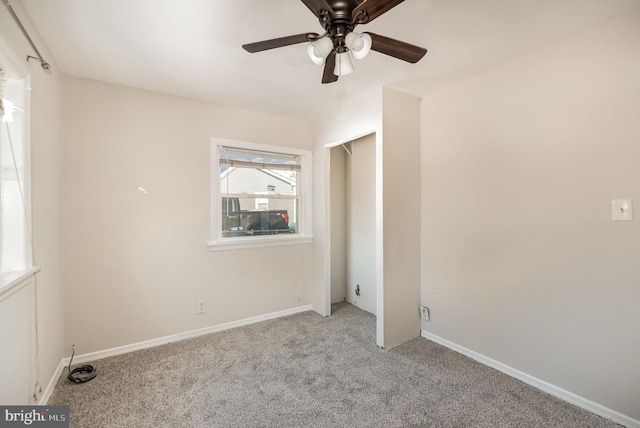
(343, 9)
(340, 23)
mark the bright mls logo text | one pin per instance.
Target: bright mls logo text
(37, 415)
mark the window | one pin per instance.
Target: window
(14, 174)
(261, 195)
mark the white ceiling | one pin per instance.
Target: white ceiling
(192, 48)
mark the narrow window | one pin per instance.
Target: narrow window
(14, 174)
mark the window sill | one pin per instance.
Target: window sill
(243, 243)
(11, 282)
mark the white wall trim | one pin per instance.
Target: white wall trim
(44, 398)
(12, 282)
(558, 392)
(92, 356)
(259, 242)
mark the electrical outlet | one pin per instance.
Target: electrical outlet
(201, 307)
(424, 313)
(622, 209)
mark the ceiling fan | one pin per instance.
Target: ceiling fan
(340, 42)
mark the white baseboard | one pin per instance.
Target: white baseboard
(92, 356)
(44, 398)
(558, 392)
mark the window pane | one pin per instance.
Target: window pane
(258, 181)
(13, 225)
(259, 192)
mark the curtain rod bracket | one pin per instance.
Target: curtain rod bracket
(44, 64)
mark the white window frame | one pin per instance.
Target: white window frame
(12, 281)
(304, 222)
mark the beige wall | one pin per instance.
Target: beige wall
(521, 261)
(338, 225)
(401, 214)
(360, 198)
(46, 183)
(136, 263)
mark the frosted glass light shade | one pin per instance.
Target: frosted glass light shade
(359, 44)
(319, 50)
(343, 64)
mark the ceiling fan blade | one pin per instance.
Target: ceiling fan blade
(396, 48)
(373, 9)
(279, 42)
(329, 65)
(316, 6)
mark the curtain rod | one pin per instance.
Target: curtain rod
(45, 65)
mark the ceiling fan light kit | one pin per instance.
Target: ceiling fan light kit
(339, 43)
(359, 44)
(343, 64)
(319, 50)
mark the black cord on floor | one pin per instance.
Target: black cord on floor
(80, 374)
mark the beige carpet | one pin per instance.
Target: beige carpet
(308, 371)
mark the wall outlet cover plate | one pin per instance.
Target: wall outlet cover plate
(424, 313)
(622, 210)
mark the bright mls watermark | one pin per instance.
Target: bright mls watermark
(34, 416)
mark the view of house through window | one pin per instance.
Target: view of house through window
(259, 192)
(13, 175)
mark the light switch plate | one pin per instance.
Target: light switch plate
(622, 210)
